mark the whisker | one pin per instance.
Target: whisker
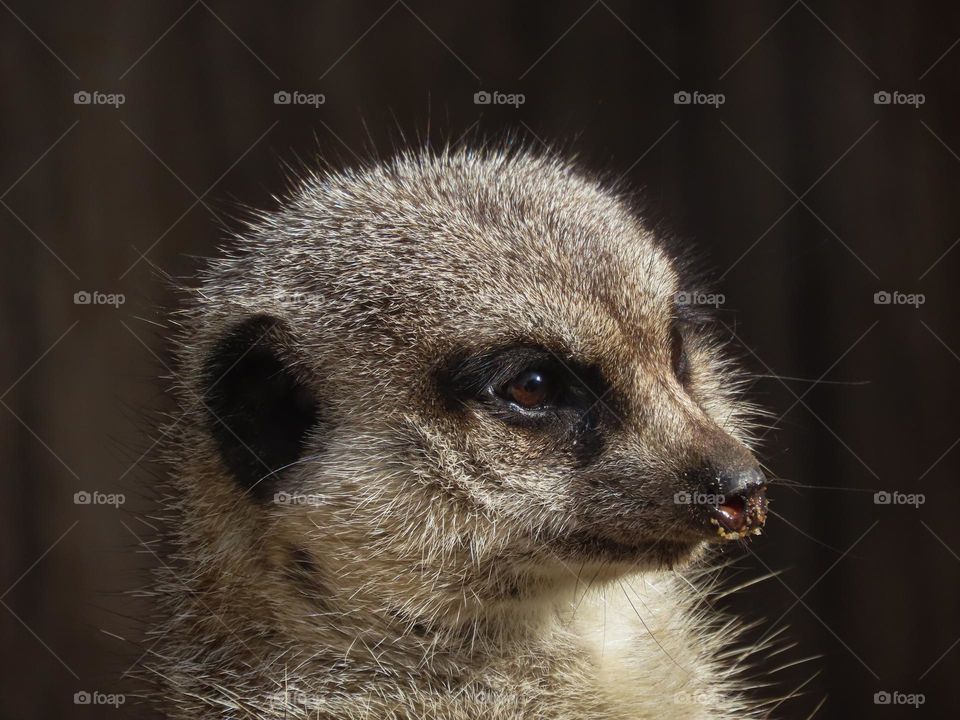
(812, 381)
(645, 627)
(746, 584)
(817, 708)
(793, 663)
(789, 696)
(806, 534)
(794, 484)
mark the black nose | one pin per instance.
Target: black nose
(741, 483)
(735, 498)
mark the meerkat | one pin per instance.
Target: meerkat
(441, 421)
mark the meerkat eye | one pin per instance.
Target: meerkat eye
(678, 357)
(530, 389)
(524, 384)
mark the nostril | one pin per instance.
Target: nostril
(742, 507)
(732, 512)
(739, 504)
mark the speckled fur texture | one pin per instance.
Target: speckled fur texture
(419, 556)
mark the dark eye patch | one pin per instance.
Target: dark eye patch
(571, 405)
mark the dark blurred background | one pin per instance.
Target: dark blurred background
(807, 194)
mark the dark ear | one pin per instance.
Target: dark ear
(258, 409)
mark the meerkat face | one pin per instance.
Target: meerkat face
(484, 358)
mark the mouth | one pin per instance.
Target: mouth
(731, 518)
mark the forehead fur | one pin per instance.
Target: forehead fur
(461, 248)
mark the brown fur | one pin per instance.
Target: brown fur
(444, 563)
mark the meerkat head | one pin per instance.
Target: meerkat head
(444, 381)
